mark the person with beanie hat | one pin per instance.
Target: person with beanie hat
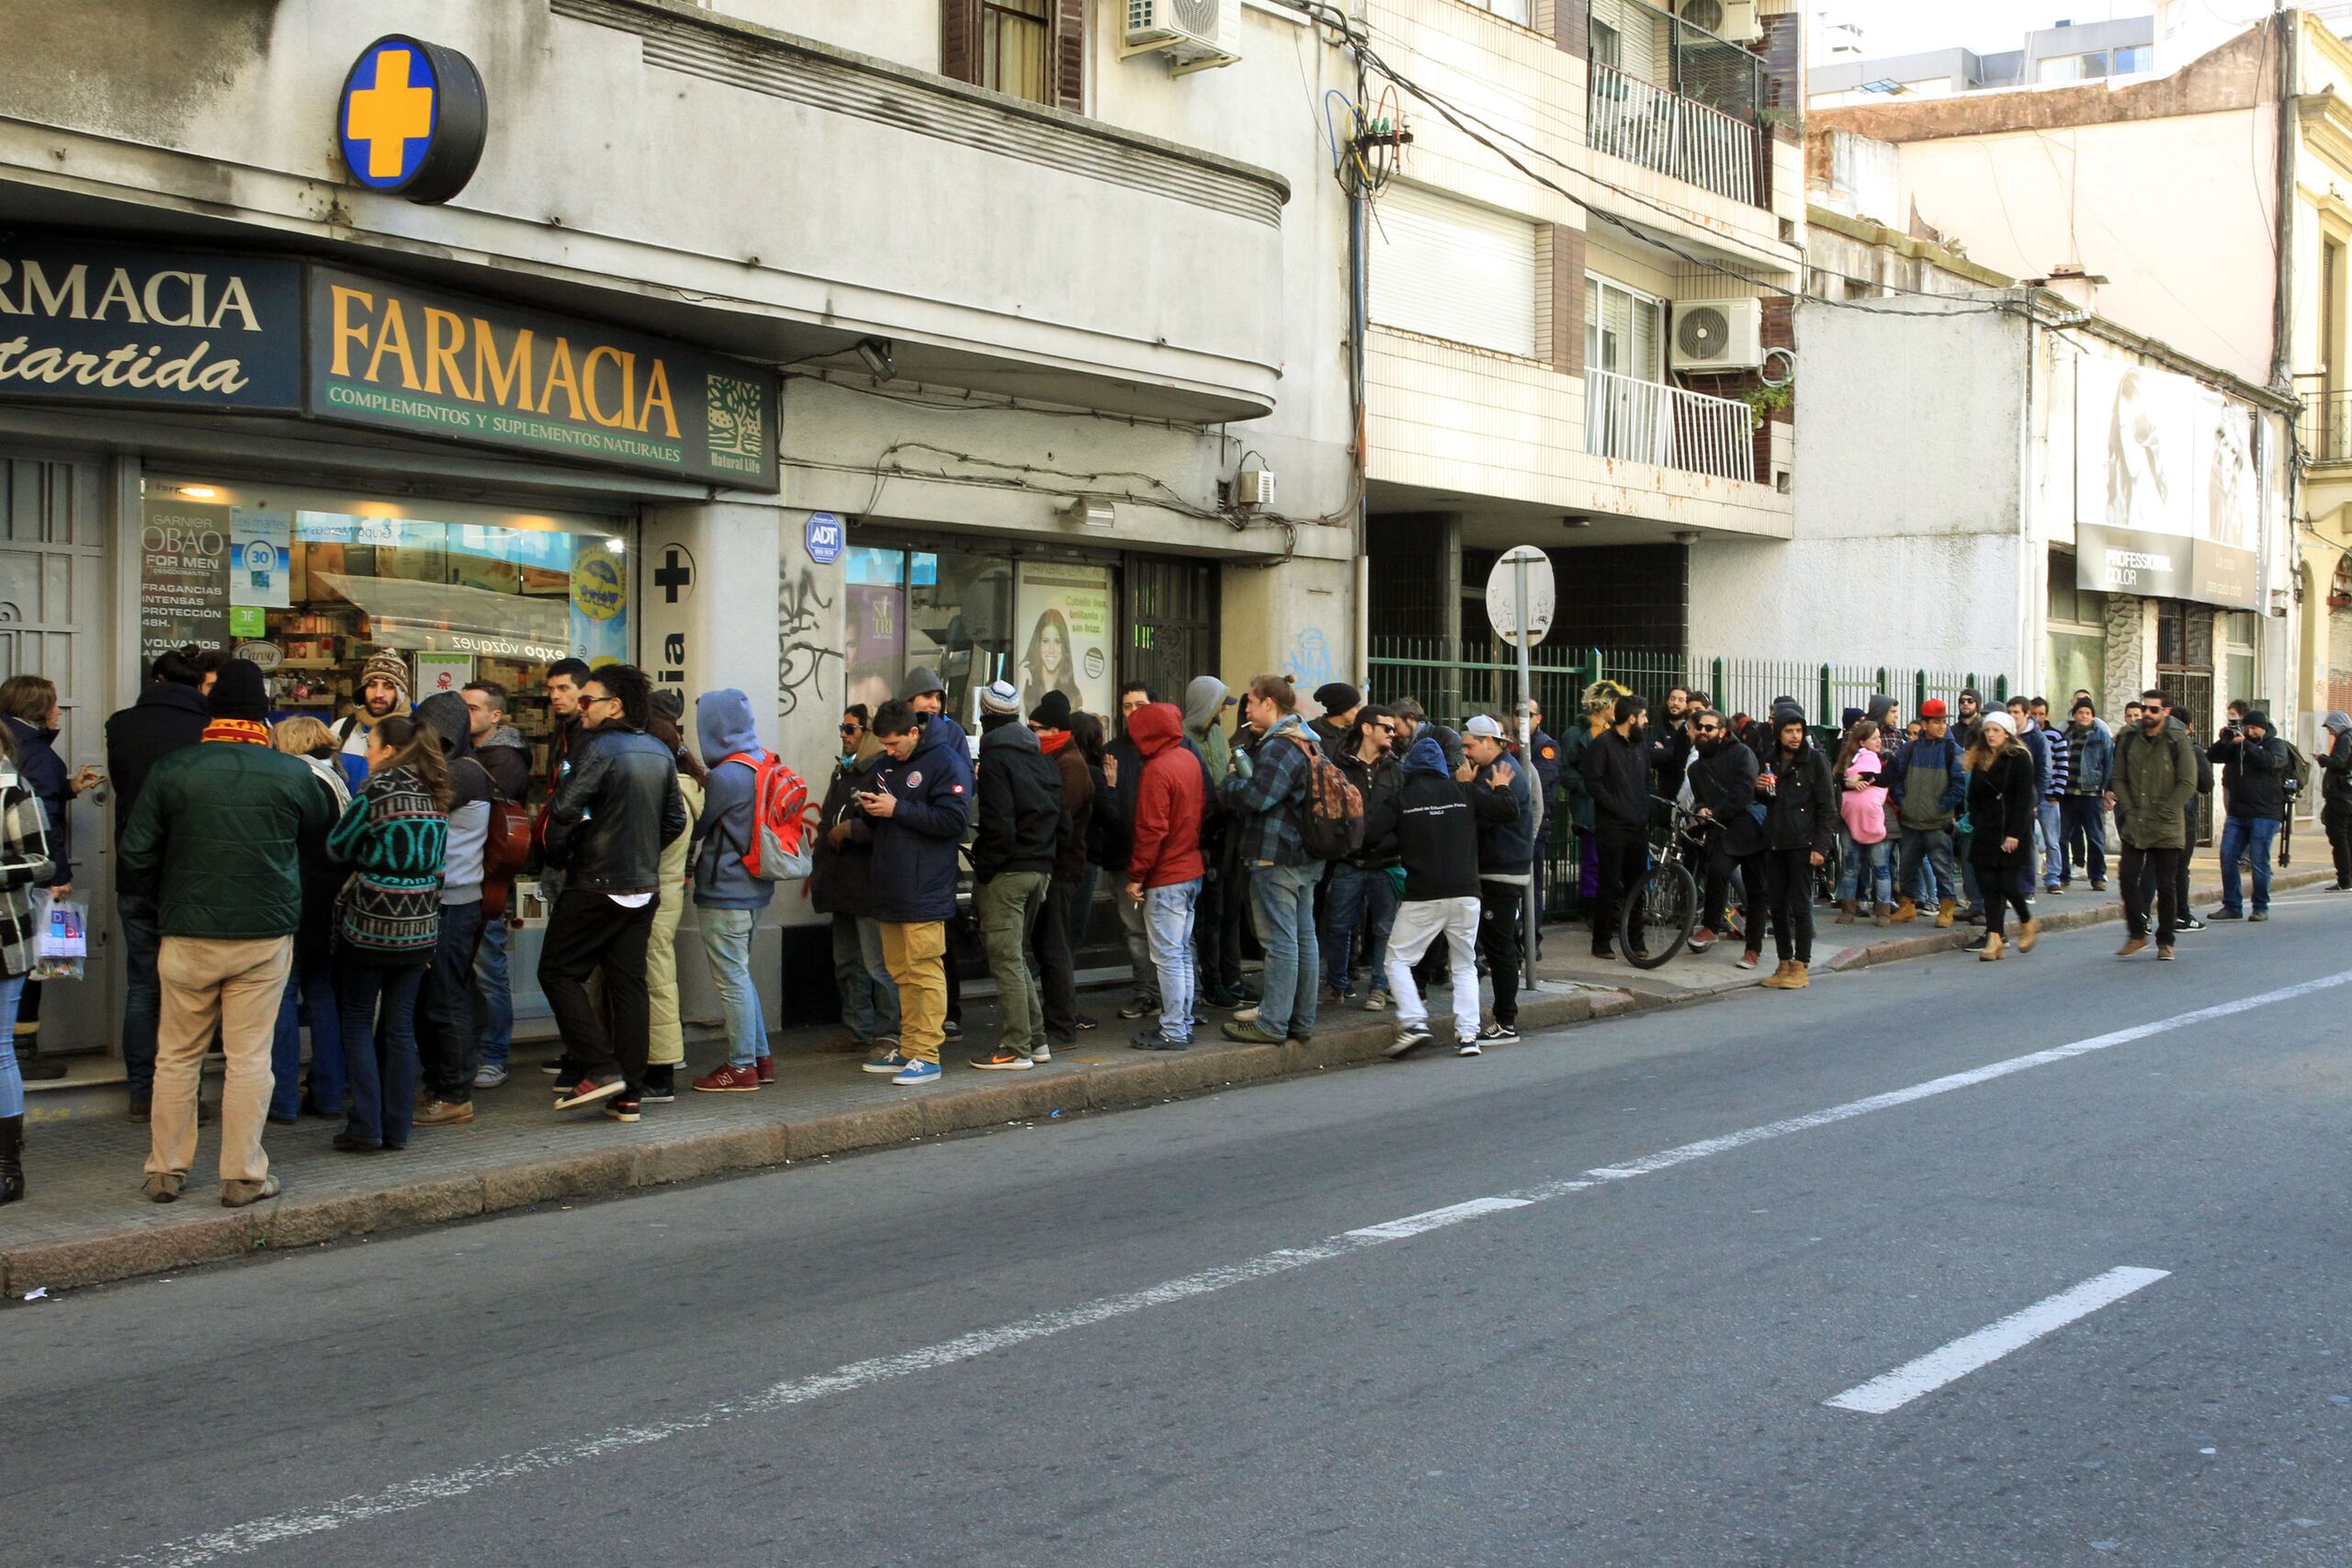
(2336, 794)
(921, 682)
(2254, 787)
(1339, 702)
(2004, 801)
(999, 699)
(1056, 935)
(1020, 825)
(383, 691)
(217, 830)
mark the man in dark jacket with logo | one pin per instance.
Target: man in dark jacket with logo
(169, 716)
(1505, 862)
(2336, 794)
(1617, 779)
(616, 805)
(916, 803)
(1360, 895)
(840, 884)
(1926, 785)
(1800, 827)
(1022, 822)
(2253, 788)
(1431, 822)
(215, 835)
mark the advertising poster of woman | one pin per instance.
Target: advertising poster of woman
(1064, 610)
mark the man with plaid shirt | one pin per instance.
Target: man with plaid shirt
(1265, 793)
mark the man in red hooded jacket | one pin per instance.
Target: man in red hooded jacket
(1164, 869)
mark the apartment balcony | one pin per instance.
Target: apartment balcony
(1649, 422)
(1680, 137)
(2326, 426)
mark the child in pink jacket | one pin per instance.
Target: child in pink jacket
(1863, 806)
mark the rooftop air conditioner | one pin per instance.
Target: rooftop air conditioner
(1714, 336)
(1193, 34)
(1733, 19)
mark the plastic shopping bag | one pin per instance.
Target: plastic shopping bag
(61, 927)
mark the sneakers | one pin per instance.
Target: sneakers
(593, 1089)
(1500, 1033)
(952, 1029)
(1410, 1037)
(2259, 914)
(1085, 1022)
(661, 1084)
(1701, 940)
(765, 1067)
(1246, 1015)
(444, 1113)
(554, 1069)
(2225, 913)
(890, 1061)
(726, 1078)
(1469, 1048)
(238, 1194)
(1376, 1002)
(1143, 1004)
(625, 1108)
(1005, 1059)
(918, 1072)
(1153, 1040)
(488, 1076)
(1041, 1052)
(1748, 959)
(1251, 1033)
(2190, 923)
(2097, 885)
(2164, 954)
(1333, 997)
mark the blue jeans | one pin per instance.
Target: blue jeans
(1283, 898)
(450, 1051)
(869, 996)
(142, 995)
(311, 983)
(12, 1080)
(494, 995)
(2250, 836)
(1929, 873)
(2082, 823)
(1866, 871)
(1357, 897)
(2048, 817)
(727, 942)
(1168, 924)
(379, 1059)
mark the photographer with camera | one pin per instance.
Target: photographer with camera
(2253, 774)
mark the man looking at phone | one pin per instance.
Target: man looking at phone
(916, 803)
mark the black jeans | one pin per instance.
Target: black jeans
(589, 933)
(447, 1044)
(2338, 820)
(1057, 947)
(1624, 856)
(1787, 890)
(2004, 889)
(2156, 871)
(1500, 904)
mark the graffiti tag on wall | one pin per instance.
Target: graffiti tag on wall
(806, 639)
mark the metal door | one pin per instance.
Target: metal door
(1172, 606)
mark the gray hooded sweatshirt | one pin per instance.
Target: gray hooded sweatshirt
(1204, 701)
(723, 725)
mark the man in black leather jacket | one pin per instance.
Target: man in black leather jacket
(613, 811)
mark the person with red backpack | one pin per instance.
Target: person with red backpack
(729, 895)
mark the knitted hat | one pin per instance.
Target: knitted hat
(1338, 696)
(240, 692)
(1998, 718)
(1849, 717)
(921, 681)
(386, 665)
(1001, 698)
(1051, 712)
(669, 703)
(2256, 719)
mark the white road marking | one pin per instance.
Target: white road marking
(241, 1539)
(1892, 1391)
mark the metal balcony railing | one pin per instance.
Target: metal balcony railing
(2325, 428)
(1642, 124)
(1649, 422)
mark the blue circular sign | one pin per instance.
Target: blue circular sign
(413, 118)
(827, 538)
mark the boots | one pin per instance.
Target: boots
(1845, 909)
(12, 1158)
(1944, 910)
(2027, 934)
(1992, 948)
(1789, 976)
(35, 1067)
(1779, 973)
(1905, 912)
(1885, 914)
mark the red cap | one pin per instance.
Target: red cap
(1934, 708)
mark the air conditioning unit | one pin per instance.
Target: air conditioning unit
(1733, 19)
(1193, 34)
(1718, 336)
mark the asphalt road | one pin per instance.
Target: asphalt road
(1150, 1338)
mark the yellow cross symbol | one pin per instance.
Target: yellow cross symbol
(390, 115)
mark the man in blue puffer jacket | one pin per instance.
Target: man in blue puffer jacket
(917, 804)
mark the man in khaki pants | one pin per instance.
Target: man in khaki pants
(216, 830)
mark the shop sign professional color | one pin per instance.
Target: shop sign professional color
(107, 324)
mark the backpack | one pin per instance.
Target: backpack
(2299, 772)
(780, 844)
(1332, 825)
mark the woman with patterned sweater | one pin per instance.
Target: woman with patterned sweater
(24, 865)
(394, 835)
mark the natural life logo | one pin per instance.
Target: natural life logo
(738, 437)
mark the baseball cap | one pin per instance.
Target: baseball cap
(1934, 708)
(1484, 726)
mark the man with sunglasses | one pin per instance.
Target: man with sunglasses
(1360, 896)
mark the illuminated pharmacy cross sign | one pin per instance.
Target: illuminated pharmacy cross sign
(675, 577)
(390, 115)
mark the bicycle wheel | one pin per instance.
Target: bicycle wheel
(1658, 915)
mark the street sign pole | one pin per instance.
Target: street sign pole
(1522, 635)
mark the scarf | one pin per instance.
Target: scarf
(244, 731)
(1052, 740)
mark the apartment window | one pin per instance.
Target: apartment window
(1520, 11)
(1605, 44)
(1454, 270)
(2094, 64)
(1017, 48)
(1622, 330)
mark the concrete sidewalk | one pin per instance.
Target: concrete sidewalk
(86, 1221)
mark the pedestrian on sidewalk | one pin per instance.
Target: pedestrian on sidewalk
(666, 1048)
(1340, 703)
(1506, 862)
(2178, 718)
(170, 715)
(1599, 707)
(2049, 754)
(384, 693)
(840, 884)
(1218, 914)
(1862, 737)
(310, 977)
(1969, 715)
(1431, 822)
(24, 865)
(729, 899)
(617, 805)
(1862, 807)
(447, 1044)
(30, 710)
(2155, 783)
(2253, 788)
(1927, 785)
(1617, 778)
(1165, 869)
(2336, 794)
(1265, 795)
(1056, 938)
(1799, 829)
(216, 833)
(1361, 896)
(1020, 822)
(1723, 787)
(394, 836)
(1122, 771)
(2003, 805)
(499, 747)
(916, 804)
(2090, 764)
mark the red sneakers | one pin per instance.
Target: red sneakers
(767, 1070)
(730, 1080)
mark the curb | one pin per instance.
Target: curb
(296, 1222)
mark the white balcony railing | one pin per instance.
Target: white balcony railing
(1649, 422)
(1630, 118)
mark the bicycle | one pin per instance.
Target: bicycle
(1659, 915)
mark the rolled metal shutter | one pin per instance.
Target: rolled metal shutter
(1454, 270)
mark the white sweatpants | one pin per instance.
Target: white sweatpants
(1419, 923)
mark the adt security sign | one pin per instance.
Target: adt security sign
(825, 539)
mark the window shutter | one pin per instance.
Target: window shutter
(1569, 19)
(1069, 55)
(1568, 289)
(959, 40)
(1455, 271)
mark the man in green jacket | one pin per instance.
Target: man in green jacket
(216, 830)
(2155, 778)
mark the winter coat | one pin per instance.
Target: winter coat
(2090, 759)
(2003, 801)
(841, 878)
(471, 790)
(1376, 781)
(322, 876)
(167, 717)
(2335, 774)
(1928, 783)
(2154, 781)
(1547, 772)
(1802, 812)
(394, 840)
(617, 805)
(1166, 842)
(1617, 777)
(1433, 821)
(1863, 811)
(506, 758)
(1020, 816)
(723, 832)
(1725, 786)
(43, 771)
(1579, 794)
(1506, 844)
(217, 833)
(1269, 800)
(915, 849)
(24, 865)
(1078, 798)
(1110, 826)
(2254, 776)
